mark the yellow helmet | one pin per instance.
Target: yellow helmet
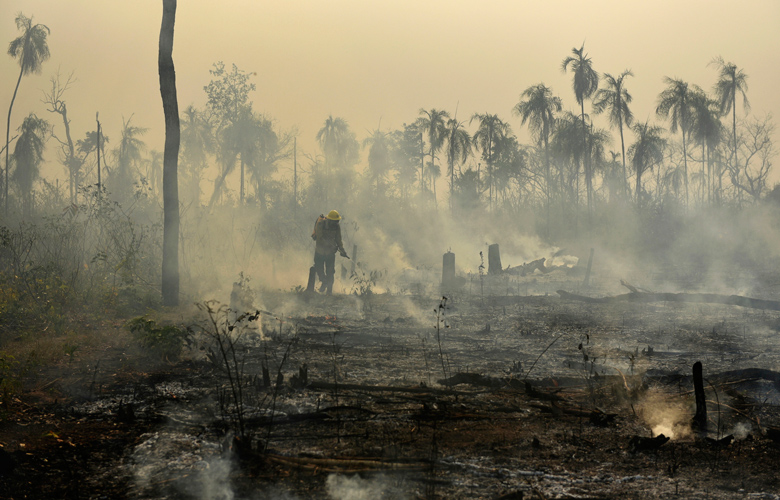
(333, 215)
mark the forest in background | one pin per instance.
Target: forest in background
(691, 186)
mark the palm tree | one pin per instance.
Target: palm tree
(378, 157)
(488, 137)
(240, 139)
(538, 106)
(269, 148)
(433, 172)
(585, 84)
(458, 149)
(731, 81)
(598, 140)
(128, 155)
(339, 146)
(647, 151)
(615, 100)
(197, 142)
(566, 147)
(675, 102)
(707, 132)
(28, 154)
(31, 49)
(432, 124)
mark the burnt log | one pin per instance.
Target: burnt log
(640, 443)
(529, 268)
(696, 298)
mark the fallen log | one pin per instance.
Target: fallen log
(528, 268)
(698, 298)
(329, 386)
(345, 464)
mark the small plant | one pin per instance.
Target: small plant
(225, 334)
(363, 285)
(166, 340)
(482, 278)
(440, 321)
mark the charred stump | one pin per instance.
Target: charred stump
(448, 272)
(494, 259)
(312, 277)
(586, 281)
(699, 423)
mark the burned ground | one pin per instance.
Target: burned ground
(513, 396)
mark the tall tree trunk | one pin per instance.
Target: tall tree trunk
(170, 260)
(8, 135)
(97, 139)
(548, 177)
(623, 152)
(733, 126)
(452, 187)
(241, 190)
(703, 171)
(709, 177)
(585, 160)
(685, 165)
(71, 162)
(422, 166)
(295, 174)
(639, 188)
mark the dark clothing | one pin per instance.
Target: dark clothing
(327, 234)
(325, 267)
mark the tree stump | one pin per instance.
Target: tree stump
(448, 272)
(586, 281)
(312, 277)
(699, 423)
(494, 259)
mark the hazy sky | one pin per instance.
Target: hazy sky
(367, 60)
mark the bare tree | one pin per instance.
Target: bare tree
(756, 151)
(68, 152)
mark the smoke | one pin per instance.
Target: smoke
(741, 430)
(213, 481)
(664, 415)
(356, 488)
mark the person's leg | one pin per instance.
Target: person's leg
(319, 267)
(330, 271)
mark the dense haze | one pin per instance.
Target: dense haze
(374, 70)
(602, 145)
(375, 61)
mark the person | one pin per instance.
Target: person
(327, 234)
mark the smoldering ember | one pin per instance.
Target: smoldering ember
(438, 311)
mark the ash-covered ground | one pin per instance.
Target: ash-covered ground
(503, 390)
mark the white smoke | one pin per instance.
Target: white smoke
(356, 488)
(214, 480)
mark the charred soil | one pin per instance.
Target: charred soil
(394, 396)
